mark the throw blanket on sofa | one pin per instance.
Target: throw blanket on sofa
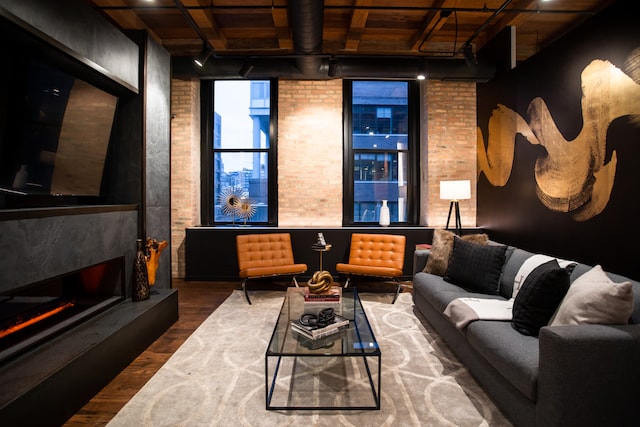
(463, 311)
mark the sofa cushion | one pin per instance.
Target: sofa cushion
(595, 298)
(476, 267)
(539, 297)
(511, 267)
(442, 245)
(439, 292)
(514, 355)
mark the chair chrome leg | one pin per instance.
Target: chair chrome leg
(295, 282)
(397, 292)
(244, 288)
(347, 282)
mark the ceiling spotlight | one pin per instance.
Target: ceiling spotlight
(422, 71)
(333, 67)
(202, 57)
(247, 67)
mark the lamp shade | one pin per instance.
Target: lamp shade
(455, 190)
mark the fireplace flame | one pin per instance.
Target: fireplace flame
(33, 320)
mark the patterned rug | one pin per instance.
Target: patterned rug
(216, 378)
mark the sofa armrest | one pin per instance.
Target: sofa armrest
(420, 259)
(588, 375)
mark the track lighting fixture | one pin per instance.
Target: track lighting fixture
(247, 67)
(201, 59)
(333, 67)
(469, 57)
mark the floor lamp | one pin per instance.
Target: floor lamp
(455, 191)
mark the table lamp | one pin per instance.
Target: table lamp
(455, 191)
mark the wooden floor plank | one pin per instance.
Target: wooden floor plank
(196, 301)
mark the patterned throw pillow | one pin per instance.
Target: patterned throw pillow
(539, 297)
(594, 298)
(476, 267)
(441, 248)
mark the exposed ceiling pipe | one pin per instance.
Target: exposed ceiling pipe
(306, 18)
(345, 67)
(480, 29)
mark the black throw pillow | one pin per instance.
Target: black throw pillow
(539, 297)
(476, 267)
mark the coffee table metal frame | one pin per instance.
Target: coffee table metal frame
(357, 340)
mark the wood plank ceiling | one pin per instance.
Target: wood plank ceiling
(348, 28)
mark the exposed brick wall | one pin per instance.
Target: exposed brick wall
(450, 149)
(185, 166)
(310, 154)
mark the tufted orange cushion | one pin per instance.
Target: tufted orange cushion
(375, 255)
(266, 255)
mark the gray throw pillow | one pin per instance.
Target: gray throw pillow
(476, 267)
(441, 248)
(594, 298)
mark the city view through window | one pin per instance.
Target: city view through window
(380, 144)
(241, 149)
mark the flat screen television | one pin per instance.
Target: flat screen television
(55, 129)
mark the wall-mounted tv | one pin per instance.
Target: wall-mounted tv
(55, 127)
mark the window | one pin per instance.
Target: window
(239, 152)
(381, 151)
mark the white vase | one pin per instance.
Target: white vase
(385, 218)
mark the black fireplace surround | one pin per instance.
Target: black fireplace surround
(35, 313)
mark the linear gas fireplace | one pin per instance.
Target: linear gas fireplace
(37, 312)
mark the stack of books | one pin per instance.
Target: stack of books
(315, 333)
(332, 295)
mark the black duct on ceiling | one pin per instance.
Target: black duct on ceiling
(306, 19)
(347, 67)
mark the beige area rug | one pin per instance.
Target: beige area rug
(216, 378)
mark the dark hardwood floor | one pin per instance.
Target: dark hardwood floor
(196, 301)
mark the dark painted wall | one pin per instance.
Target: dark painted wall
(210, 252)
(513, 213)
(37, 245)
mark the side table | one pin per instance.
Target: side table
(321, 250)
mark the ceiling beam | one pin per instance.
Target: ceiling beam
(357, 25)
(204, 19)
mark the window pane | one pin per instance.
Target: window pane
(241, 148)
(377, 177)
(380, 114)
(241, 118)
(238, 176)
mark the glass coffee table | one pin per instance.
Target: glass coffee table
(337, 372)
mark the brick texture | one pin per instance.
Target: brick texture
(310, 154)
(185, 166)
(448, 149)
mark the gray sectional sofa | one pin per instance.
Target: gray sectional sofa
(570, 375)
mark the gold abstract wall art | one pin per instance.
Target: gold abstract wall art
(572, 176)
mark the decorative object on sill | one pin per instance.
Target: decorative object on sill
(140, 290)
(154, 249)
(385, 218)
(245, 209)
(455, 191)
(229, 199)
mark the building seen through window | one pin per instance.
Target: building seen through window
(241, 151)
(379, 146)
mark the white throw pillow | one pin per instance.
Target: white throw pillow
(596, 299)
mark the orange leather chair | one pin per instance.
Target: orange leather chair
(266, 255)
(376, 255)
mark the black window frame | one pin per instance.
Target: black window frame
(413, 164)
(207, 164)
